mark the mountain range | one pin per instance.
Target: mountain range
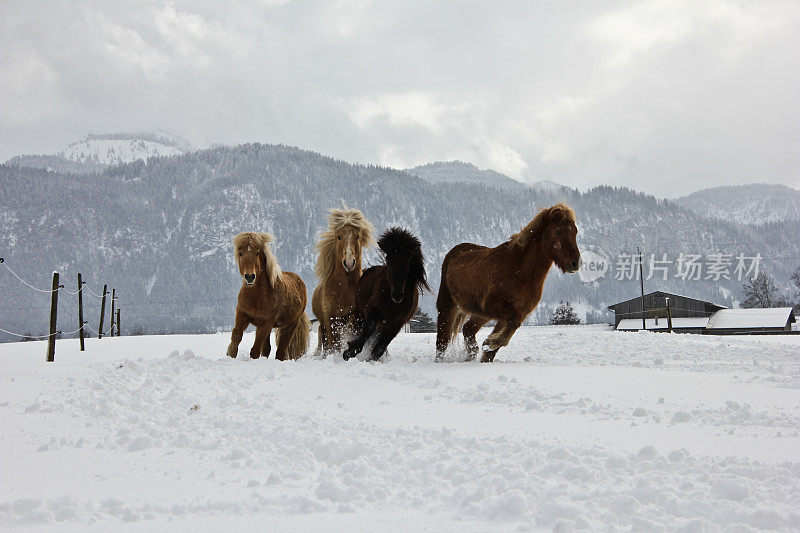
(159, 230)
(756, 203)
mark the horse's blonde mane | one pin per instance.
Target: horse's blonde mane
(261, 242)
(535, 227)
(339, 218)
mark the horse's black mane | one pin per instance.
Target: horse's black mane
(399, 242)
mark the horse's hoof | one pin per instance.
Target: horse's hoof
(231, 352)
(488, 356)
(348, 353)
(255, 355)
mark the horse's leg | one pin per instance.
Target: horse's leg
(352, 325)
(284, 338)
(355, 346)
(267, 347)
(262, 336)
(498, 338)
(236, 335)
(320, 338)
(387, 333)
(445, 321)
(335, 334)
(470, 329)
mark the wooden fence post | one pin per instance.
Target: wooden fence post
(113, 301)
(641, 279)
(102, 312)
(118, 333)
(51, 340)
(80, 309)
(669, 317)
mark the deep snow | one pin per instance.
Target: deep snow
(571, 428)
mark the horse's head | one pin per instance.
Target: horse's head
(559, 237)
(349, 242)
(341, 243)
(555, 231)
(254, 258)
(405, 268)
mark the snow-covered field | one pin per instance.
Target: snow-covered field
(572, 428)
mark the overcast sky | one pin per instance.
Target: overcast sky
(664, 97)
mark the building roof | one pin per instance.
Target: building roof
(635, 324)
(661, 293)
(772, 317)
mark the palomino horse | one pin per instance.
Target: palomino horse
(502, 283)
(268, 299)
(339, 269)
(388, 294)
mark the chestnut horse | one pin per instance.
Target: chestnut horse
(268, 299)
(502, 283)
(338, 268)
(388, 294)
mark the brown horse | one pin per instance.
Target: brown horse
(388, 294)
(502, 283)
(338, 268)
(268, 299)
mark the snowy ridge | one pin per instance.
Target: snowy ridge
(461, 172)
(575, 428)
(121, 148)
(745, 204)
(547, 186)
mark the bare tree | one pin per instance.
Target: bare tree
(761, 292)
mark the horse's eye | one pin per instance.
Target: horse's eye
(339, 237)
(558, 232)
(240, 254)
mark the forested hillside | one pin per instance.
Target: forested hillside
(160, 232)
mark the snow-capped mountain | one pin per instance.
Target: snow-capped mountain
(547, 186)
(745, 204)
(96, 152)
(115, 149)
(460, 172)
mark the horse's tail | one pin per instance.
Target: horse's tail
(458, 321)
(298, 344)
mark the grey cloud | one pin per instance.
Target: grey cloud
(663, 97)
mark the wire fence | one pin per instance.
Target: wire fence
(49, 291)
(115, 300)
(54, 333)
(40, 337)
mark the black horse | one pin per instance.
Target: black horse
(387, 295)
